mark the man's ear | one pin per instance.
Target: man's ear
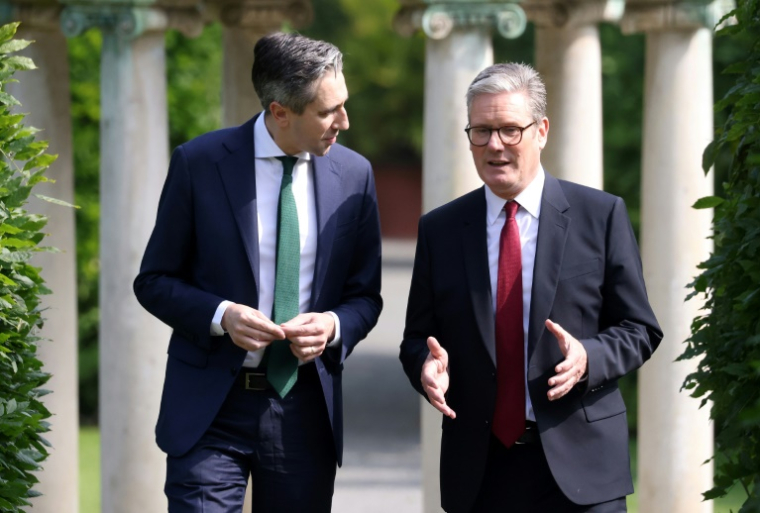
(543, 132)
(280, 114)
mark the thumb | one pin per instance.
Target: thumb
(435, 348)
(560, 334)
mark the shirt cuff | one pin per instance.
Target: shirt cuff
(335, 341)
(216, 322)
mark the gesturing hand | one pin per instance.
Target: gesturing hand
(572, 368)
(435, 377)
(309, 334)
(249, 328)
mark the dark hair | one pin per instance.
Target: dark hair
(510, 77)
(287, 69)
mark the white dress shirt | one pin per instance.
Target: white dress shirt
(527, 223)
(268, 180)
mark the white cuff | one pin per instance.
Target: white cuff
(335, 341)
(216, 322)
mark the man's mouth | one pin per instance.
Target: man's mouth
(498, 163)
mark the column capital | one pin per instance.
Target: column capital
(131, 19)
(39, 15)
(565, 14)
(264, 16)
(651, 15)
(437, 18)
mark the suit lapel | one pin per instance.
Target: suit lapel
(552, 234)
(476, 267)
(328, 193)
(238, 174)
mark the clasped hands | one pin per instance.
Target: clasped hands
(309, 333)
(435, 373)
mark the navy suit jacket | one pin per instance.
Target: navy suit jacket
(588, 278)
(204, 249)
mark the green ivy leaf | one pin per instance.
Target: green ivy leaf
(708, 202)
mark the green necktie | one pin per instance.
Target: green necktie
(282, 365)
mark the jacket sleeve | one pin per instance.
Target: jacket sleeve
(629, 332)
(163, 286)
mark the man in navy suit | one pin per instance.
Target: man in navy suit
(527, 305)
(254, 222)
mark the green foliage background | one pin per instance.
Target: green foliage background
(385, 76)
(22, 415)
(727, 337)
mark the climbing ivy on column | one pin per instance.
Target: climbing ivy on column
(22, 416)
(726, 338)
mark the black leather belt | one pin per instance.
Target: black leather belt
(253, 379)
(530, 436)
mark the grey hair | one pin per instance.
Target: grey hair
(510, 77)
(287, 69)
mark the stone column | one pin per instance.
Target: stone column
(458, 47)
(133, 163)
(245, 23)
(675, 436)
(569, 58)
(44, 95)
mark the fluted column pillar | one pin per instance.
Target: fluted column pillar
(569, 58)
(244, 23)
(458, 47)
(133, 162)
(675, 436)
(44, 95)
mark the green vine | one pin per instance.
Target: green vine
(726, 339)
(22, 415)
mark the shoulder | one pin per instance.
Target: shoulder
(584, 198)
(471, 204)
(343, 158)
(218, 143)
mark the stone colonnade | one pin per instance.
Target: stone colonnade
(134, 159)
(134, 146)
(675, 437)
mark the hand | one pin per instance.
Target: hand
(249, 328)
(572, 368)
(309, 334)
(435, 377)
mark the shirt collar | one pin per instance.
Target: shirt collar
(529, 198)
(265, 147)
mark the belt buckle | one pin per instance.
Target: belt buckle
(248, 385)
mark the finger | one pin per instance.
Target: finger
(302, 330)
(250, 344)
(435, 348)
(559, 391)
(443, 408)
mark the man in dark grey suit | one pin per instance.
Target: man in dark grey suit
(527, 304)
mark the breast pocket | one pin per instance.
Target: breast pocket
(580, 269)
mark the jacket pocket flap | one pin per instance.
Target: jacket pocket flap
(603, 402)
(187, 352)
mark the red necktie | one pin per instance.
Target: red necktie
(509, 416)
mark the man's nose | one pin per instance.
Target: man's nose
(494, 142)
(341, 120)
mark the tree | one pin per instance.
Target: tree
(726, 338)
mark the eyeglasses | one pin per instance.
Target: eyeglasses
(509, 135)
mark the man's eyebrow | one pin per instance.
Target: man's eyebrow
(333, 109)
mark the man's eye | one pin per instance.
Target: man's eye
(481, 132)
(510, 131)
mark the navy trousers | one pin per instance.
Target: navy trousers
(518, 480)
(286, 445)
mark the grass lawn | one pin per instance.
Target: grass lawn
(89, 478)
